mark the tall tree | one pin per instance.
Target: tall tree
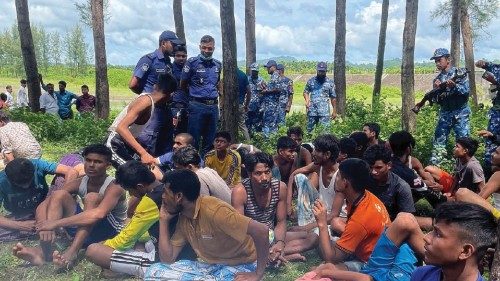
(28, 51)
(468, 51)
(339, 55)
(251, 49)
(381, 51)
(229, 66)
(179, 19)
(101, 66)
(407, 66)
(455, 33)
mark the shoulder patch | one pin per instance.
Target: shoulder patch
(185, 68)
(218, 62)
(145, 67)
(191, 59)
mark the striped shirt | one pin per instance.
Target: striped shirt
(265, 215)
(229, 168)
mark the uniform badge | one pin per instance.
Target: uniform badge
(186, 68)
(145, 67)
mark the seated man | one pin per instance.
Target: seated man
(102, 216)
(452, 244)
(180, 140)
(468, 171)
(285, 161)
(394, 192)
(492, 187)
(304, 157)
(227, 243)
(211, 183)
(262, 198)
(86, 102)
(361, 143)
(225, 161)
(23, 189)
(17, 138)
(372, 131)
(347, 149)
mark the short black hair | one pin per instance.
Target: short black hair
(207, 39)
(347, 146)
(285, 142)
(374, 127)
(400, 141)
(377, 152)
(186, 155)
(357, 172)
(251, 160)
(309, 146)
(62, 83)
(243, 152)
(295, 131)
(468, 143)
(360, 138)
(98, 148)
(180, 48)
(477, 225)
(327, 143)
(132, 173)
(49, 84)
(85, 87)
(184, 181)
(223, 134)
(166, 83)
(23, 81)
(3, 96)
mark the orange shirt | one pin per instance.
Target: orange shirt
(365, 224)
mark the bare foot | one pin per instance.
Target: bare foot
(65, 261)
(295, 257)
(32, 255)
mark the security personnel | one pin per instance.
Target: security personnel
(270, 100)
(286, 95)
(257, 85)
(180, 99)
(201, 78)
(454, 111)
(159, 129)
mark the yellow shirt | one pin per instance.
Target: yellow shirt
(217, 233)
(228, 169)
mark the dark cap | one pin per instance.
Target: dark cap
(20, 172)
(322, 66)
(168, 35)
(271, 63)
(440, 52)
(280, 67)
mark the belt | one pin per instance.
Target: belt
(205, 101)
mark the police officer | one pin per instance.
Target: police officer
(318, 93)
(286, 95)
(270, 100)
(201, 76)
(454, 111)
(158, 134)
(257, 85)
(180, 99)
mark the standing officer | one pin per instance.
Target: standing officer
(257, 85)
(201, 76)
(454, 111)
(180, 99)
(159, 130)
(319, 91)
(270, 100)
(286, 95)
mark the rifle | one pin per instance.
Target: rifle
(432, 94)
(490, 77)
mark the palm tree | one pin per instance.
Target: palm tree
(251, 53)
(101, 66)
(339, 55)
(407, 65)
(381, 50)
(28, 51)
(179, 19)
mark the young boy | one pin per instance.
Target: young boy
(225, 161)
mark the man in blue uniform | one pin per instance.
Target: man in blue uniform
(201, 76)
(180, 99)
(454, 111)
(286, 95)
(318, 94)
(160, 129)
(270, 100)
(257, 85)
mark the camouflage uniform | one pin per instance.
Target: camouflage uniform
(320, 95)
(285, 95)
(254, 119)
(454, 113)
(270, 103)
(493, 115)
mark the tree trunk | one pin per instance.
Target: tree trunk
(407, 66)
(468, 51)
(251, 52)
(381, 51)
(230, 112)
(101, 66)
(495, 267)
(179, 19)
(339, 56)
(28, 51)
(455, 33)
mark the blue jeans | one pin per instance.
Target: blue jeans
(202, 123)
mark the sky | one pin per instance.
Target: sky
(303, 29)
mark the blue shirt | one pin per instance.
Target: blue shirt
(256, 87)
(286, 90)
(320, 95)
(20, 203)
(242, 85)
(148, 68)
(202, 76)
(64, 101)
(432, 273)
(453, 98)
(274, 85)
(179, 95)
(495, 70)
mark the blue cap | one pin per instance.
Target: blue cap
(322, 66)
(280, 67)
(254, 66)
(271, 63)
(440, 52)
(168, 35)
